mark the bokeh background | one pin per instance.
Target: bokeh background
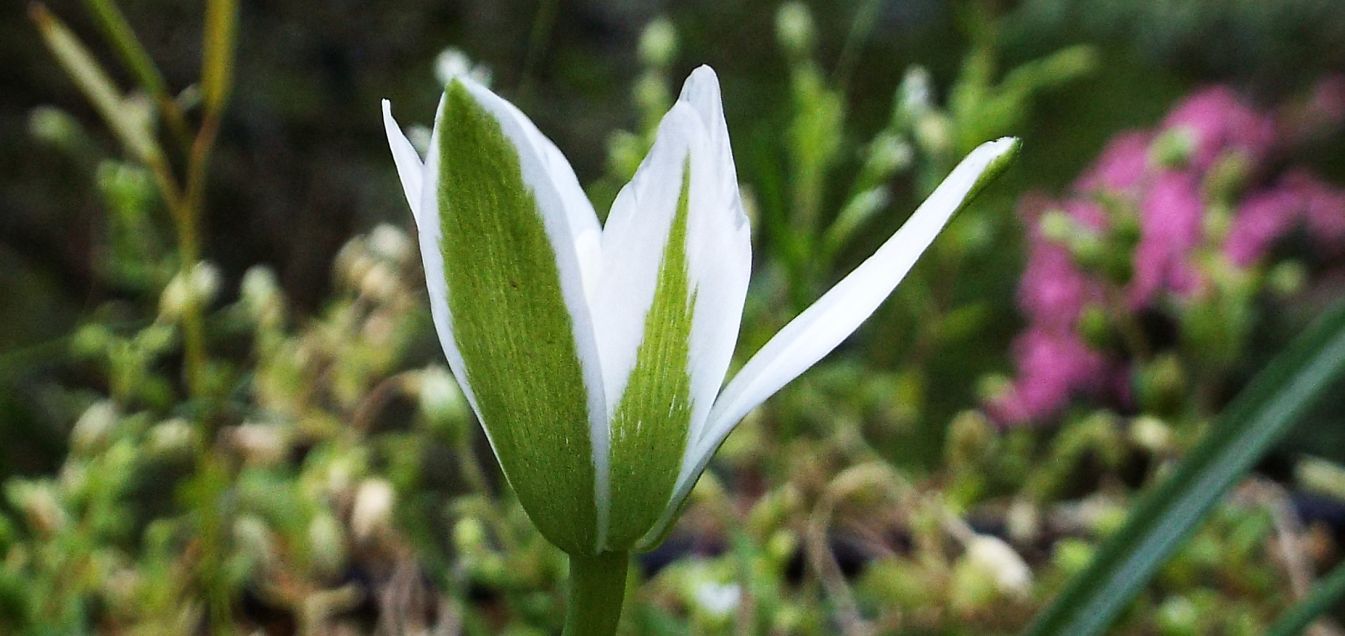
(944, 472)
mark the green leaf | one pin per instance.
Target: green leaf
(130, 128)
(1324, 596)
(511, 323)
(651, 423)
(1166, 516)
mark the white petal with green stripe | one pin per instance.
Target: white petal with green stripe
(829, 321)
(506, 247)
(676, 259)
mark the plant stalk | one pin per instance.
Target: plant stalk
(597, 587)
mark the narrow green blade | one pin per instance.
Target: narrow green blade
(1324, 596)
(1164, 517)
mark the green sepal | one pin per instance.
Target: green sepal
(511, 323)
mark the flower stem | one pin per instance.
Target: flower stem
(597, 586)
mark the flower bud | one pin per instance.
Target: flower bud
(1161, 384)
(1072, 555)
(1151, 434)
(260, 294)
(55, 126)
(1178, 615)
(794, 28)
(469, 536)
(379, 282)
(442, 402)
(93, 428)
(1095, 327)
(372, 511)
(327, 544)
(888, 154)
(195, 287)
(129, 189)
(452, 62)
(258, 444)
(1006, 568)
(1287, 278)
(715, 600)
(658, 43)
(651, 94)
(172, 437)
(389, 242)
(1023, 521)
(253, 539)
(969, 438)
(933, 133)
(1174, 148)
(38, 503)
(914, 96)
(1321, 476)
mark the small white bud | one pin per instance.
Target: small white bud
(890, 153)
(717, 600)
(658, 43)
(452, 62)
(389, 242)
(995, 557)
(172, 437)
(379, 282)
(259, 444)
(372, 511)
(441, 400)
(196, 286)
(94, 426)
(253, 539)
(1151, 434)
(914, 95)
(794, 27)
(54, 126)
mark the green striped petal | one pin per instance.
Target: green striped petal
(838, 313)
(507, 250)
(676, 259)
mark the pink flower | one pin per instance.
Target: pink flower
(1299, 199)
(1324, 209)
(1053, 367)
(1171, 226)
(1121, 166)
(1220, 123)
(1053, 290)
(1261, 220)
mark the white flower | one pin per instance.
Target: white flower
(596, 356)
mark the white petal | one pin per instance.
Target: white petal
(570, 225)
(824, 325)
(718, 246)
(719, 240)
(409, 166)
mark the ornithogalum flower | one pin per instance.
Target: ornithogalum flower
(594, 355)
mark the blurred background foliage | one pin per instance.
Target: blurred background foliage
(317, 471)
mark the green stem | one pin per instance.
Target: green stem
(597, 586)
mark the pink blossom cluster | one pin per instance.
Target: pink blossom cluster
(1166, 199)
